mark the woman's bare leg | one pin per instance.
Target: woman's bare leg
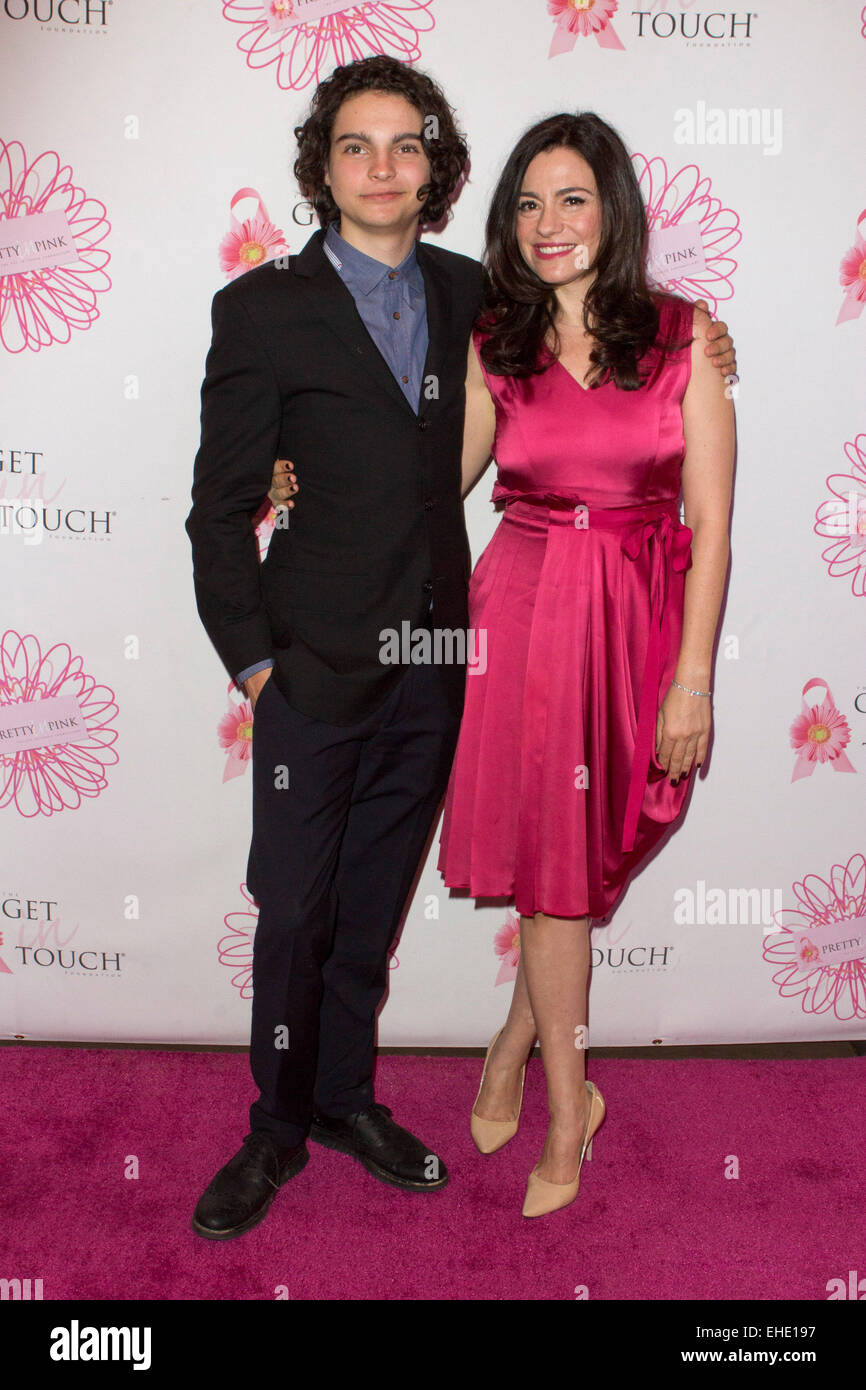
(554, 952)
(500, 1094)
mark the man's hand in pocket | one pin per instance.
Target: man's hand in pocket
(253, 684)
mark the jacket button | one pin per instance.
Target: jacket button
(428, 586)
(429, 502)
(422, 424)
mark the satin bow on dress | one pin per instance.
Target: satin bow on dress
(657, 529)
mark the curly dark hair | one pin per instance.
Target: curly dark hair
(619, 310)
(447, 150)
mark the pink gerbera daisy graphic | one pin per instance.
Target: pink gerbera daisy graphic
(236, 949)
(686, 197)
(506, 944)
(43, 305)
(251, 242)
(821, 902)
(852, 276)
(301, 52)
(821, 733)
(264, 529)
(235, 728)
(582, 16)
(843, 518)
(43, 780)
(235, 734)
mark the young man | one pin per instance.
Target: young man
(351, 362)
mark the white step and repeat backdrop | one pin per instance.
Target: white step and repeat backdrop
(142, 148)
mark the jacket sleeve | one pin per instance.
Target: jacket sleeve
(241, 414)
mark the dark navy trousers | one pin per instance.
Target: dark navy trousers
(341, 815)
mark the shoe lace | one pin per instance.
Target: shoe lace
(377, 1113)
(258, 1147)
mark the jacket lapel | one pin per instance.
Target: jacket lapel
(336, 307)
(438, 322)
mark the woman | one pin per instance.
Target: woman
(567, 772)
(599, 607)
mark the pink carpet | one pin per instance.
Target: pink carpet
(656, 1217)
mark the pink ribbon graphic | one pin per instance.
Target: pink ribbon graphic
(235, 733)
(820, 735)
(573, 19)
(852, 302)
(251, 242)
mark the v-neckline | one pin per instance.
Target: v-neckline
(571, 377)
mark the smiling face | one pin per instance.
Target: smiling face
(558, 223)
(377, 163)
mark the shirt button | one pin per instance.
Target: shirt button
(396, 314)
(404, 378)
(392, 275)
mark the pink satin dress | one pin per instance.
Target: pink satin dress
(556, 795)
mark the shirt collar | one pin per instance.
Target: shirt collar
(362, 272)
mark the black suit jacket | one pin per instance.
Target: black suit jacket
(377, 527)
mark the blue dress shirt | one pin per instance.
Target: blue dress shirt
(392, 304)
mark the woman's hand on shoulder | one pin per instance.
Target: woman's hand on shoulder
(718, 344)
(705, 367)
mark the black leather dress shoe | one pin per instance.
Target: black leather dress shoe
(240, 1194)
(385, 1149)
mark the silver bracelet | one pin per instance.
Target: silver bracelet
(690, 692)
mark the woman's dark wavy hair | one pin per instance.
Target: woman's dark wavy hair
(619, 310)
(448, 152)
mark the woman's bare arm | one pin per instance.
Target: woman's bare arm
(708, 469)
(707, 480)
(480, 423)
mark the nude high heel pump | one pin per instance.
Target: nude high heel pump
(490, 1135)
(543, 1197)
